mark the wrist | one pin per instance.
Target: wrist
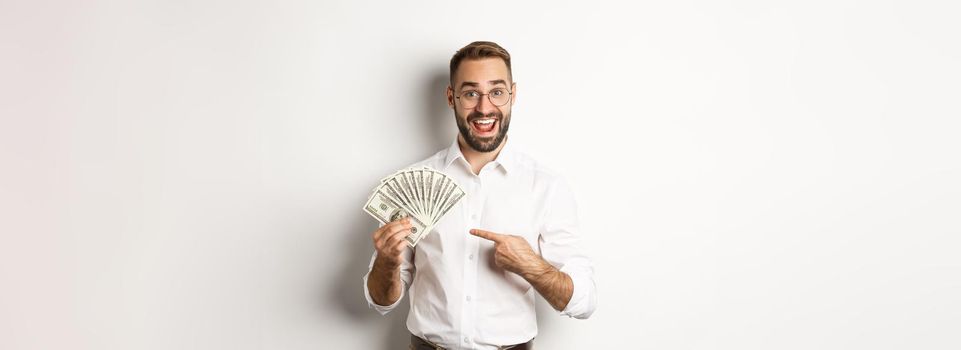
(537, 269)
(386, 268)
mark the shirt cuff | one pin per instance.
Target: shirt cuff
(383, 310)
(584, 297)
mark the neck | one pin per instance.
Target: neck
(478, 160)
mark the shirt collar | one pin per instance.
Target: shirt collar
(507, 159)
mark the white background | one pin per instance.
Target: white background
(750, 174)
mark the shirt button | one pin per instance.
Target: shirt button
(473, 216)
(468, 298)
(466, 340)
(470, 257)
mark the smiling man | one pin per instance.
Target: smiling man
(472, 281)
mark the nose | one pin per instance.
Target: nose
(485, 106)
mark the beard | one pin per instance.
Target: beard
(483, 144)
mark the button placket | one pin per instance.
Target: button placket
(468, 310)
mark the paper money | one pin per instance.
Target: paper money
(423, 194)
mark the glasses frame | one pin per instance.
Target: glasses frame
(510, 94)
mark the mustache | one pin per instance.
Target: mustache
(477, 115)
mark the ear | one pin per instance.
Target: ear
(513, 93)
(450, 97)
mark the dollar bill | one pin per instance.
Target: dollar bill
(385, 210)
(423, 194)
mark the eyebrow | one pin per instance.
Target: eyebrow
(492, 82)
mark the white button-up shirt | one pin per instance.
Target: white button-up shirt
(458, 298)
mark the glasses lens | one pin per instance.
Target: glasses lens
(470, 98)
(499, 97)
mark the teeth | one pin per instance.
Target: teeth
(485, 121)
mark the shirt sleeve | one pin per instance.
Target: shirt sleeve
(406, 275)
(560, 245)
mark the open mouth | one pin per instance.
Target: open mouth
(484, 127)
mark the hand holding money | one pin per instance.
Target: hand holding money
(384, 283)
(389, 242)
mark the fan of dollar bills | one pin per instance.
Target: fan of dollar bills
(423, 194)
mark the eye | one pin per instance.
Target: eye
(498, 92)
(470, 94)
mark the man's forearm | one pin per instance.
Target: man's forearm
(555, 286)
(384, 283)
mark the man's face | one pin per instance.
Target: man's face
(483, 125)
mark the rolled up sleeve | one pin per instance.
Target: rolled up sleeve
(406, 275)
(560, 244)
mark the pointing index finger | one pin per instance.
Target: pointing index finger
(491, 236)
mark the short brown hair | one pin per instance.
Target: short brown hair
(478, 50)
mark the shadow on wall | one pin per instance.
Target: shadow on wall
(437, 120)
(349, 291)
(437, 116)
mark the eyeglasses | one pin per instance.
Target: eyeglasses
(498, 97)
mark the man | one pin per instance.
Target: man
(472, 280)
